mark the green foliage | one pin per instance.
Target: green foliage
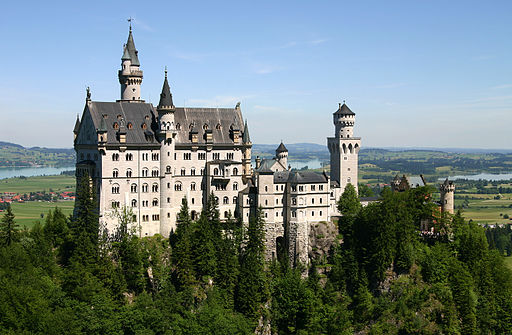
(8, 228)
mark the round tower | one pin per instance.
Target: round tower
(447, 190)
(282, 155)
(344, 120)
(130, 75)
(166, 134)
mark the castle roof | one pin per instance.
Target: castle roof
(165, 96)
(77, 125)
(281, 148)
(143, 120)
(126, 54)
(130, 47)
(245, 136)
(344, 110)
(299, 177)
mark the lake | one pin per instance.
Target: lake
(32, 171)
(483, 176)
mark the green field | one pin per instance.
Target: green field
(38, 184)
(28, 213)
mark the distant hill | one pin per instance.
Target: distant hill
(15, 155)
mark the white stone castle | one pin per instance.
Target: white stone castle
(148, 159)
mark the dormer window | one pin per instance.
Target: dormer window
(144, 126)
(178, 126)
(218, 126)
(205, 126)
(129, 125)
(116, 125)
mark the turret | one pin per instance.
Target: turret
(447, 190)
(247, 147)
(282, 155)
(130, 75)
(77, 127)
(344, 120)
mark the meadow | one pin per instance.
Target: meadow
(22, 185)
(30, 212)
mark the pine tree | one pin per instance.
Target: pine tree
(9, 228)
(252, 291)
(182, 251)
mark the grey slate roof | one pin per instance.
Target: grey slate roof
(77, 125)
(245, 137)
(415, 181)
(281, 148)
(266, 165)
(126, 54)
(130, 46)
(134, 113)
(220, 121)
(165, 96)
(344, 110)
(299, 177)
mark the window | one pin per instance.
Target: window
(116, 125)
(230, 155)
(301, 188)
(235, 186)
(320, 187)
(129, 125)
(154, 173)
(154, 187)
(235, 199)
(202, 156)
(155, 217)
(313, 201)
(116, 204)
(320, 213)
(216, 155)
(183, 171)
(205, 126)
(115, 173)
(294, 214)
(168, 200)
(178, 126)
(134, 203)
(145, 156)
(202, 172)
(145, 218)
(218, 126)
(266, 188)
(115, 157)
(177, 186)
(167, 169)
(312, 213)
(193, 186)
(225, 200)
(155, 202)
(168, 185)
(128, 173)
(133, 188)
(348, 180)
(115, 189)
(235, 172)
(266, 202)
(129, 157)
(192, 200)
(294, 201)
(145, 172)
(313, 188)
(154, 156)
(277, 214)
(294, 188)
(193, 172)
(145, 203)
(215, 172)
(145, 188)
(187, 156)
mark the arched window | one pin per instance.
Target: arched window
(178, 126)
(193, 171)
(235, 199)
(115, 189)
(115, 157)
(193, 186)
(235, 186)
(177, 186)
(266, 188)
(115, 173)
(133, 188)
(183, 171)
(349, 180)
(154, 187)
(225, 201)
(167, 169)
(145, 172)
(145, 188)
(129, 173)
(235, 172)
(154, 173)
(155, 202)
(116, 125)
(205, 126)
(218, 126)
(134, 203)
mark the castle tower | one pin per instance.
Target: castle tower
(447, 190)
(246, 149)
(166, 134)
(130, 75)
(282, 155)
(344, 148)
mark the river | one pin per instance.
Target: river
(32, 171)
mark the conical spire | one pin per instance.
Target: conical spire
(245, 137)
(281, 148)
(130, 46)
(77, 125)
(165, 96)
(126, 54)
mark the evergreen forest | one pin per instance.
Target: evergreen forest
(382, 276)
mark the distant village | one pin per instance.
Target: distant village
(7, 198)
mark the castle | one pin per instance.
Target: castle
(149, 158)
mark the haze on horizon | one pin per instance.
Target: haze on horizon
(417, 74)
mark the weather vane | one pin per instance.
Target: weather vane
(130, 21)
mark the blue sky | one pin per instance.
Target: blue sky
(416, 73)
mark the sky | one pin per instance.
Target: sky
(416, 73)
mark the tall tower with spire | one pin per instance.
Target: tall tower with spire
(246, 150)
(130, 75)
(166, 134)
(344, 148)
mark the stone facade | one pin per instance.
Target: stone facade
(148, 158)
